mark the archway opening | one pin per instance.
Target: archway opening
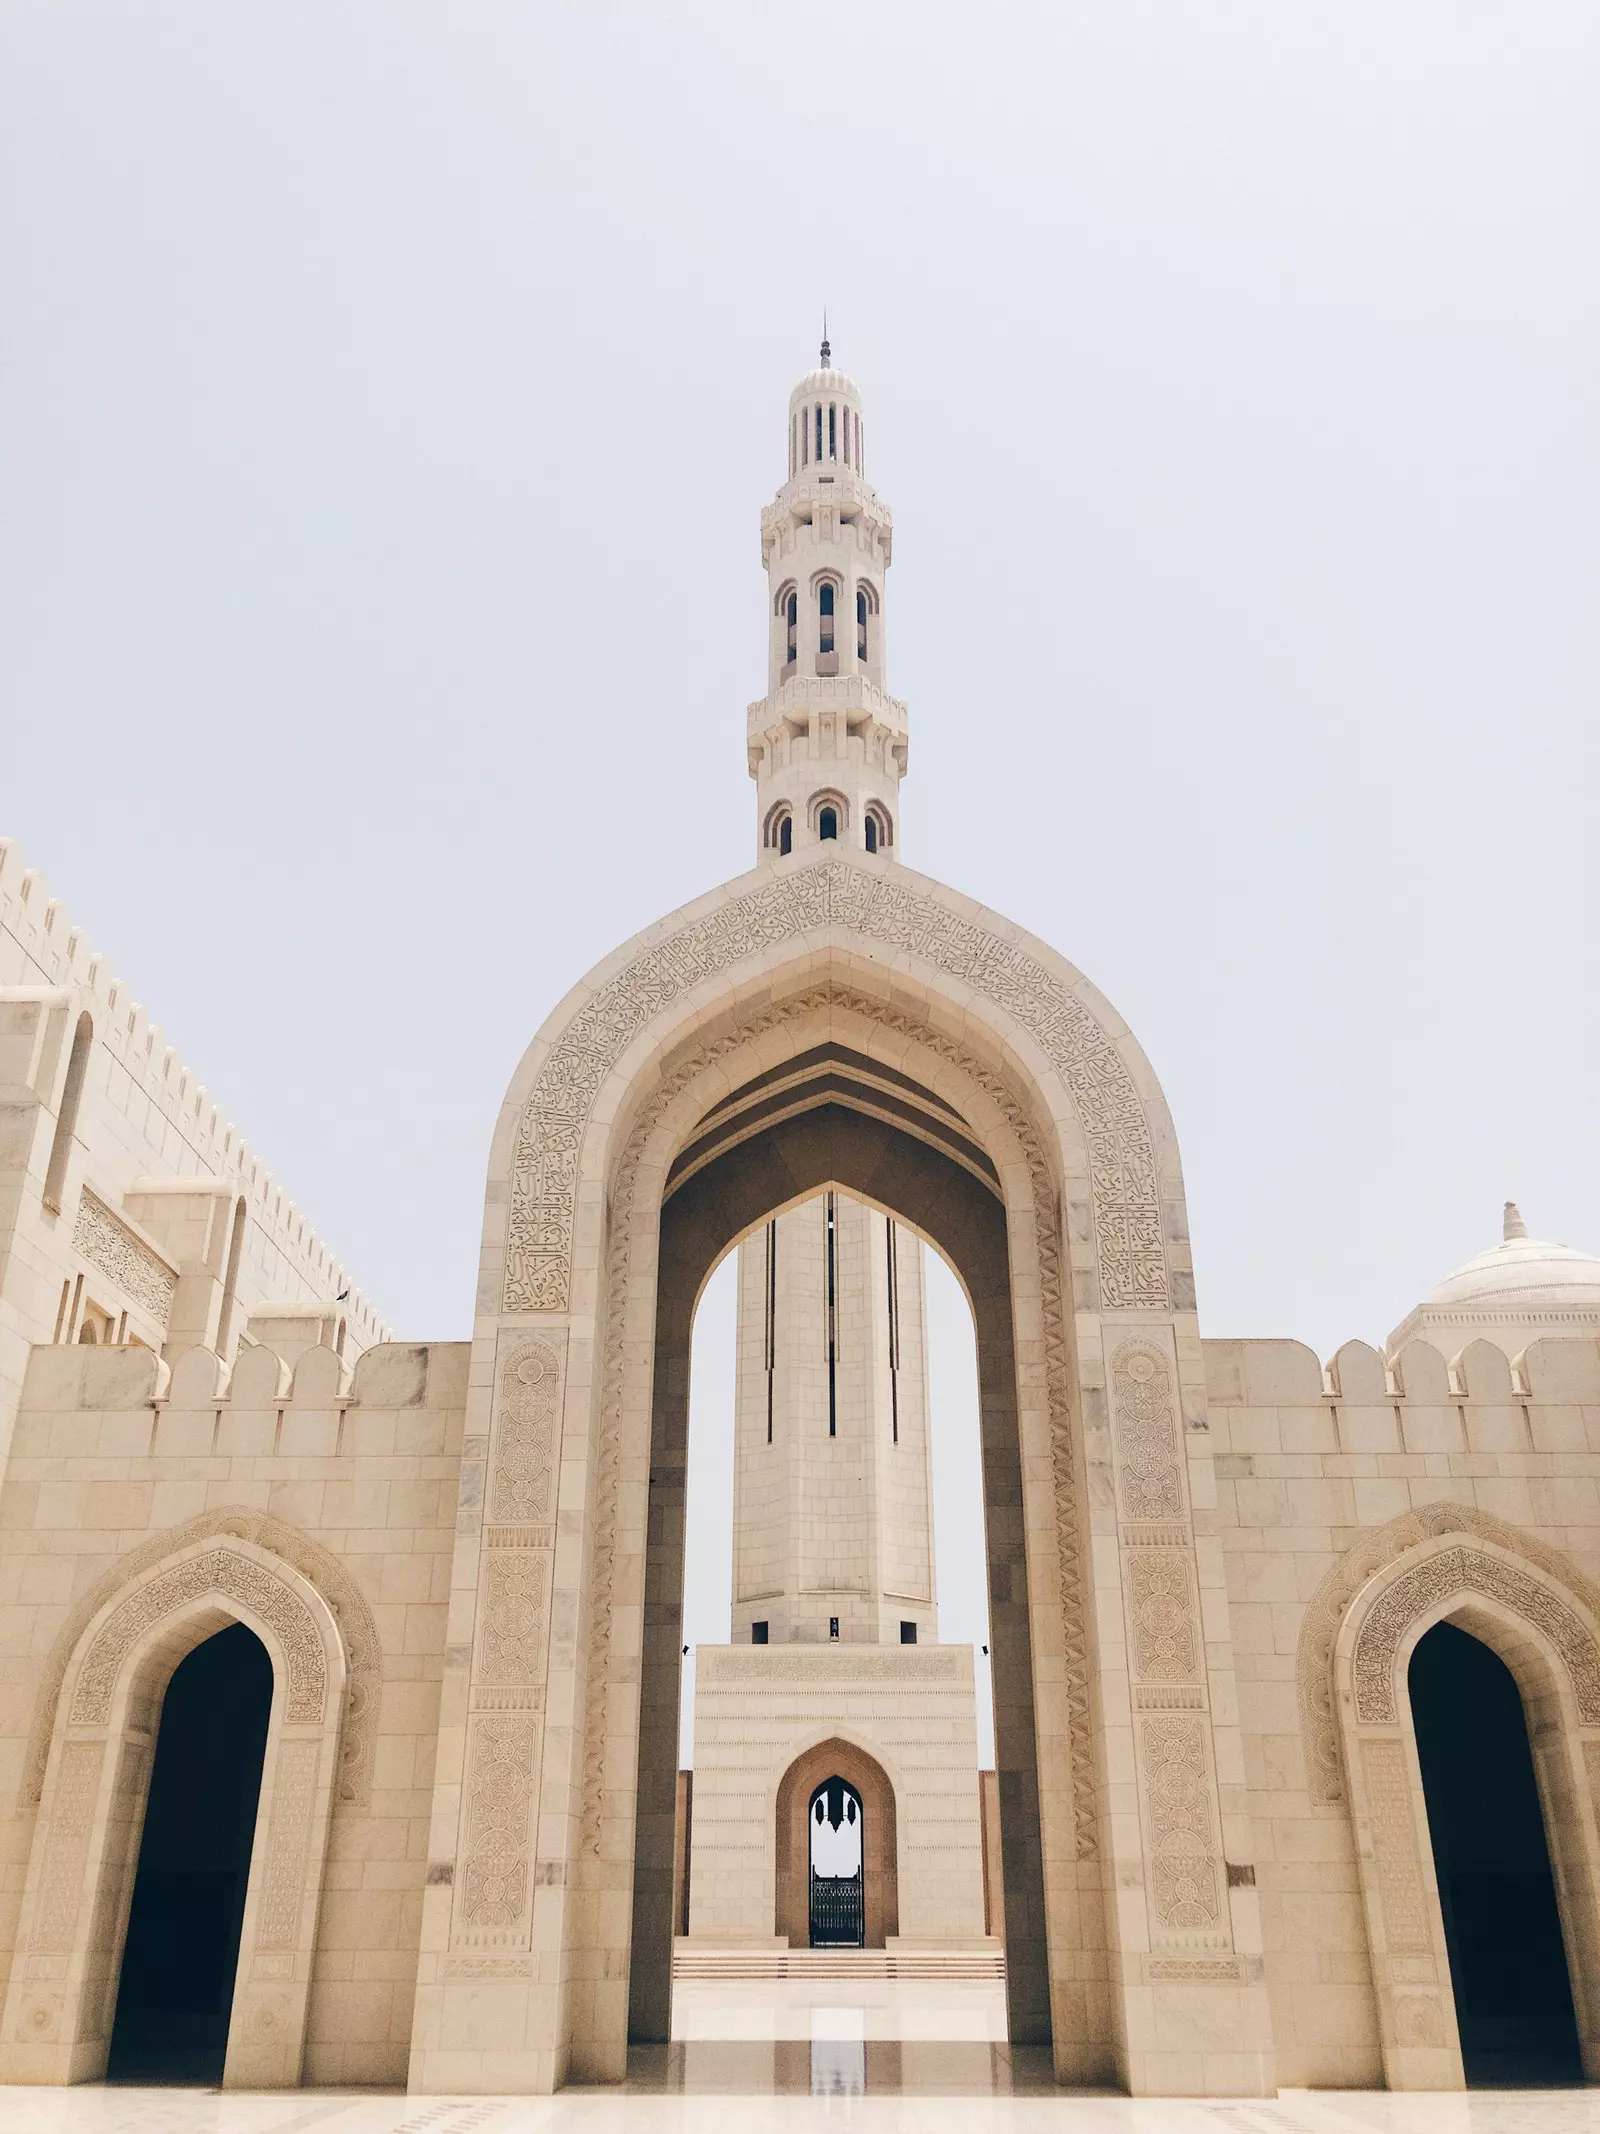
(175, 1995)
(836, 1908)
(1508, 1963)
(757, 1152)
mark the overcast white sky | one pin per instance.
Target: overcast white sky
(389, 394)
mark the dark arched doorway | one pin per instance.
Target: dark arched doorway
(182, 1946)
(1508, 1963)
(836, 1908)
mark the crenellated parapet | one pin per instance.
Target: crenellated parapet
(165, 1133)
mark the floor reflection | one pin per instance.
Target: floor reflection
(840, 2067)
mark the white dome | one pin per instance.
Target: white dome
(1523, 1275)
(825, 385)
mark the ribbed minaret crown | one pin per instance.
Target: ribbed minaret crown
(827, 744)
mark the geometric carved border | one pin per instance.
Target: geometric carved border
(1127, 1212)
(234, 1577)
(1328, 1606)
(1047, 1229)
(1467, 1570)
(358, 1634)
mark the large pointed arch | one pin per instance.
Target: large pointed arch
(540, 1787)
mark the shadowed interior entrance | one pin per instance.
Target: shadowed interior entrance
(1508, 1962)
(926, 1171)
(182, 1949)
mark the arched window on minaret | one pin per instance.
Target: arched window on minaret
(786, 835)
(876, 829)
(872, 834)
(819, 429)
(833, 429)
(861, 624)
(828, 823)
(825, 618)
(805, 436)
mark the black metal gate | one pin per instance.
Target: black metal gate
(838, 1899)
(838, 1911)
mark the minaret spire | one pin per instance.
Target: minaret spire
(826, 745)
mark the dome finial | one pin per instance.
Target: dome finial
(827, 352)
(1514, 1226)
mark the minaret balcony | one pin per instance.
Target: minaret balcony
(863, 703)
(841, 502)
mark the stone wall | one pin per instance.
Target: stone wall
(354, 1482)
(1323, 1477)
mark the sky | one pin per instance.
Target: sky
(388, 395)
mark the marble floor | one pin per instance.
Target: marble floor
(826, 2103)
(840, 2009)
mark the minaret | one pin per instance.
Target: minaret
(833, 1527)
(827, 744)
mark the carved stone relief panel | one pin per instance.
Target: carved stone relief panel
(1330, 1604)
(511, 1645)
(1149, 1475)
(283, 1878)
(495, 1880)
(55, 1918)
(1161, 1615)
(106, 1242)
(1467, 1570)
(1402, 1889)
(1128, 1239)
(1184, 1860)
(231, 1577)
(319, 1566)
(523, 1471)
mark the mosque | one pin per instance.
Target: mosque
(340, 1675)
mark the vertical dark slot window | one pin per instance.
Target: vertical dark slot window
(861, 623)
(805, 438)
(772, 1310)
(825, 618)
(833, 433)
(828, 823)
(872, 833)
(819, 429)
(831, 1250)
(833, 1626)
(893, 1271)
(786, 835)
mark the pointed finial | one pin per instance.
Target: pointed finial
(1514, 1225)
(827, 352)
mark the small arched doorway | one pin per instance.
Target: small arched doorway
(1508, 1961)
(837, 1882)
(181, 1951)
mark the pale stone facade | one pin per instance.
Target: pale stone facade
(1211, 1563)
